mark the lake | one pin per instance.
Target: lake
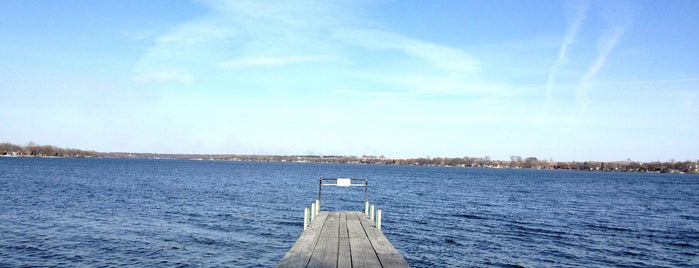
(57, 212)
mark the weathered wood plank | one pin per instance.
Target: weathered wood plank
(344, 258)
(342, 239)
(362, 252)
(300, 253)
(325, 253)
(343, 224)
(386, 252)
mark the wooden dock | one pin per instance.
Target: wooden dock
(342, 239)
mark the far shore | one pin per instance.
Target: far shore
(515, 162)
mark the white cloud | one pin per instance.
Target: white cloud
(163, 76)
(247, 34)
(251, 62)
(443, 57)
(197, 32)
(368, 93)
(434, 70)
(239, 36)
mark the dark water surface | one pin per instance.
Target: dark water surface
(121, 212)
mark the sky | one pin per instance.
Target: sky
(562, 80)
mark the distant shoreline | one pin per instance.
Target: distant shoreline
(515, 162)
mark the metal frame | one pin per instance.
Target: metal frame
(351, 184)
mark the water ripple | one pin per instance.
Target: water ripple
(158, 213)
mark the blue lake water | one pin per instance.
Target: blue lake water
(171, 213)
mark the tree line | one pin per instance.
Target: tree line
(32, 149)
(516, 162)
(534, 163)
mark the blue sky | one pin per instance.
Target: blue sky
(563, 80)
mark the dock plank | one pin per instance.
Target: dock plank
(325, 253)
(363, 254)
(387, 254)
(344, 257)
(342, 239)
(300, 253)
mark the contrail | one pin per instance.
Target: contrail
(568, 38)
(619, 16)
(605, 46)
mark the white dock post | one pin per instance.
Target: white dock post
(366, 207)
(305, 218)
(371, 212)
(317, 206)
(313, 210)
(378, 219)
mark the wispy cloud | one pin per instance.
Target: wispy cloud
(367, 93)
(605, 46)
(251, 62)
(197, 32)
(187, 45)
(163, 76)
(618, 16)
(654, 82)
(238, 35)
(438, 71)
(580, 13)
(137, 35)
(247, 34)
(443, 57)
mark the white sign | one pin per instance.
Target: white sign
(344, 182)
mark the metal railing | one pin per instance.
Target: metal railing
(310, 214)
(343, 182)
